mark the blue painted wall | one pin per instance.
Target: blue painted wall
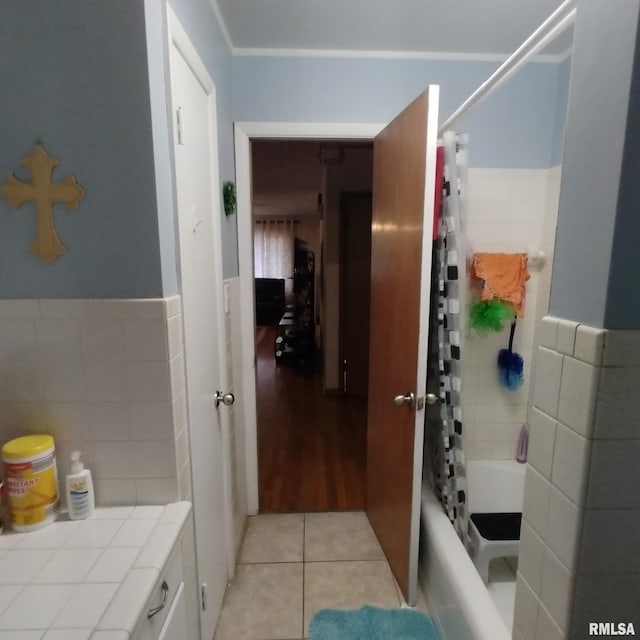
(200, 23)
(76, 78)
(595, 269)
(515, 127)
(623, 296)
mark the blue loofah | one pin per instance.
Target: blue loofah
(510, 365)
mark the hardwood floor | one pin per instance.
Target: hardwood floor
(311, 448)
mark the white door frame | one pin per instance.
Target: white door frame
(244, 133)
(178, 36)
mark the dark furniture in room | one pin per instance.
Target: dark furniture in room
(270, 301)
(296, 338)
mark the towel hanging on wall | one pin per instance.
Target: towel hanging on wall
(503, 276)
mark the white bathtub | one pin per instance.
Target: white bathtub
(457, 598)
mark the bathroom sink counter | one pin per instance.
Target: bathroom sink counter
(88, 579)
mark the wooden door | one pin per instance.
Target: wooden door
(404, 160)
(355, 268)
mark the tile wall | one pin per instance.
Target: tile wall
(581, 508)
(105, 377)
(510, 211)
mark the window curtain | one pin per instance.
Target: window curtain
(273, 248)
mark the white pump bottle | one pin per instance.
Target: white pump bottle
(80, 496)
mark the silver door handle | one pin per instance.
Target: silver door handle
(226, 399)
(407, 400)
(432, 398)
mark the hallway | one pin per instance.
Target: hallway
(311, 447)
(293, 564)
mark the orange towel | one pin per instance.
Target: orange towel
(504, 276)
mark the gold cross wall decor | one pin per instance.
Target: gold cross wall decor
(43, 193)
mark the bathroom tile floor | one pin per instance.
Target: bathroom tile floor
(291, 565)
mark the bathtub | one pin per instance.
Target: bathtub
(458, 600)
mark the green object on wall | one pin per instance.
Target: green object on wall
(229, 197)
(490, 315)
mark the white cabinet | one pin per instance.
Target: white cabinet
(164, 615)
(175, 626)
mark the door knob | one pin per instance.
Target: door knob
(405, 400)
(431, 398)
(226, 399)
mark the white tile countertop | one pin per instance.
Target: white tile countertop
(85, 579)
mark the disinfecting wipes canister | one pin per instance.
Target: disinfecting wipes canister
(31, 481)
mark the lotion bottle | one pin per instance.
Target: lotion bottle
(80, 497)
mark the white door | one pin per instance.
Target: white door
(195, 146)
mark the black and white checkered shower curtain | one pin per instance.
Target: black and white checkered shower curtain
(447, 453)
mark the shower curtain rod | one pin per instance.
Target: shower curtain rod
(550, 29)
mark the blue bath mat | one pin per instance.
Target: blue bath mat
(371, 623)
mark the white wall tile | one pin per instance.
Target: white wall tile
(177, 373)
(184, 483)
(173, 306)
(59, 339)
(610, 542)
(114, 491)
(546, 391)
(570, 463)
(547, 629)
(151, 420)
(148, 307)
(536, 500)
(154, 459)
(106, 381)
(62, 363)
(19, 309)
(621, 348)
(578, 390)
(548, 332)
(566, 338)
(20, 382)
(113, 460)
(589, 345)
(109, 421)
(526, 607)
(63, 380)
(180, 411)
(542, 434)
(182, 448)
(60, 309)
(174, 336)
(68, 421)
(562, 528)
(556, 589)
(618, 403)
(614, 475)
(146, 339)
(102, 339)
(156, 490)
(18, 341)
(148, 381)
